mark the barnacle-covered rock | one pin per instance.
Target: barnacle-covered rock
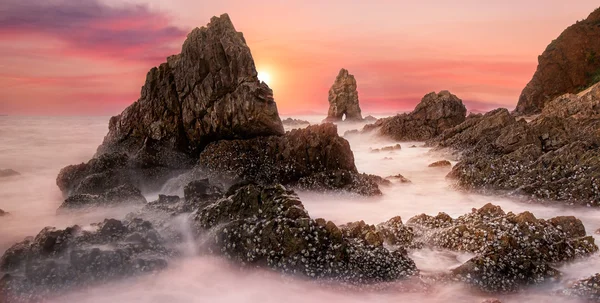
(588, 289)
(124, 194)
(268, 226)
(59, 259)
(512, 249)
(314, 157)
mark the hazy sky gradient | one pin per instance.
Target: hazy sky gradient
(91, 56)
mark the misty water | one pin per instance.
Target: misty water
(38, 147)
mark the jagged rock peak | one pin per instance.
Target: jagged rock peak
(343, 99)
(570, 64)
(210, 91)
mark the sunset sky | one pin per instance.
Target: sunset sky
(90, 57)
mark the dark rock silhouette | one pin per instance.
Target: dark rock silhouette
(3, 213)
(4, 173)
(343, 99)
(295, 122)
(434, 114)
(314, 157)
(441, 163)
(568, 65)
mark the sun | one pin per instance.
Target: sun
(264, 77)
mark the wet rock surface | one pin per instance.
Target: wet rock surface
(124, 194)
(5, 173)
(569, 64)
(588, 289)
(314, 158)
(513, 250)
(343, 99)
(60, 259)
(268, 226)
(553, 157)
(434, 114)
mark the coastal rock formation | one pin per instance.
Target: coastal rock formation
(568, 65)
(268, 226)
(59, 259)
(588, 289)
(387, 148)
(124, 194)
(553, 157)
(314, 157)
(4, 173)
(3, 213)
(343, 99)
(434, 114)
(208, 92)
(441, 163)
(295, 122)
(513, 250)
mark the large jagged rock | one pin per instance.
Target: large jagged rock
(568, 65)
(587, 289)
(434, 114)
(343, 99)
(268, 226)
(208, 92)
(57, 260)
(315, 157)
(512, 250)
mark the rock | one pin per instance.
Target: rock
(387, 148)
(568, 65)
(512, 250)
(268, 226)
(3, 213)
(370, 119)
(588, 289)
(441, 163)
(434, 114)
(400, 178)
(295, 122)
(208, 92)
(491, 301)
(124, 194)
(313, 157)
(5, 173)
(57, 260)
(343, 99)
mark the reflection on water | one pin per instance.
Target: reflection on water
(39, 147)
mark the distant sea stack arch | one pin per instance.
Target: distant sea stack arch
(343, 99)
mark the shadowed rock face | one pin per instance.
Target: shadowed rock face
(210, 91)
(343, 99)
(569, 64)
(314, 157)
(434, 114)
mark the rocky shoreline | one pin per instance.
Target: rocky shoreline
(205, 113)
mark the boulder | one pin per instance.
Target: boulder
(268, 226)
(343, 99)
(512, 250)
(570, 64)
(60, 259)
(387, 148)
(370, 119)
(400, 178)
(314, 157)
(5, 173)
(3, 213)
(434, 114)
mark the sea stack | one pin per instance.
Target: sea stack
(570, 64)
(343, 99)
